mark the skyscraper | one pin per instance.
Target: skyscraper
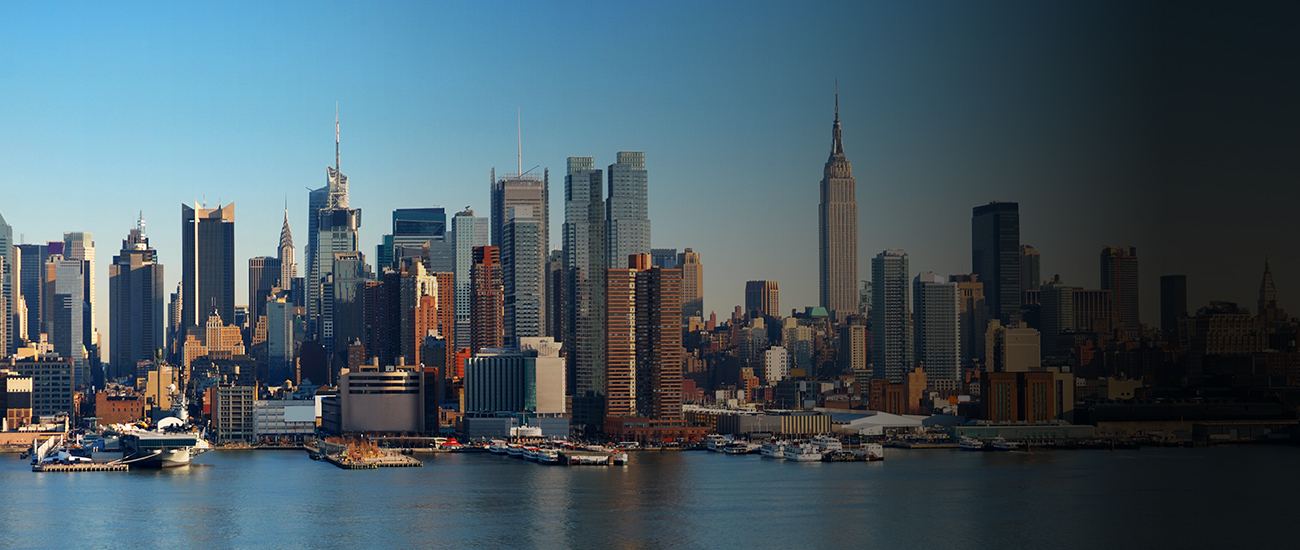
(974, 315)
(523, 190)
(584, 279)
(1267, 291)
(32, 276)
(333, 229)
(208, 274)
(522, 270)
(264, 274)
(288, 265)
(995, 256)
(627, 225)
(665, 258)
(7, 292)
(1029, 272)
(692, 284)
(1056, 317)
(135, 297)
(762, 298)
(65, 286)
(468, 231)
(644, 342)
(838, 229)
(1119, 274)
(487, 307)
(891, 320)
(1173, 301)
(938, 327)
(80, 246)
(416, 228)
(344, 322)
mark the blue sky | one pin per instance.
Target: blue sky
(112, 109)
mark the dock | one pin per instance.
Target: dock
(114, 466)
(362, 456)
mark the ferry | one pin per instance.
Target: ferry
(826, 443)
(1001, 444)
(802, 453)
(716, 442)
(588, 460)
(548, 456)
(497, 447)
(618, 458)
(515, 450)
(774, 448)
(530, 453)
(970, 444)
(741, 448)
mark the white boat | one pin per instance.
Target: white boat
(548, 456)
(826, 443)
(716, 442)
(741, 448)
(618, 458)
(970, 444)
(803, 453)
(1000, 444)
(161, 450)
(588, 460)
(497, 447)
(873, 451)
(530, 453)
(514, 450)
(774, 448)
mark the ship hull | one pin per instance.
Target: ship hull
(166, 459)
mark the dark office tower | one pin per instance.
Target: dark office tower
(174, 327)
(1029, 273)
(627, 225)
(584, 279)
(974, 312)
(555, 295)
(522, 272)
(8, 292)
(1267, 292)
(33, 258)
(263, 274)
(1119, 274)
(1173, 301)
(80, 246)
(288, 263)
(838, 230)
(345, 321)
(1056, 315)
(995, 256)
(891, 319)
(208, 273)
(762, 298)
(486, 302)
(664, 258)
(692, 284)
(135, 303)
(415, 228)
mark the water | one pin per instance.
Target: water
(1154, 498)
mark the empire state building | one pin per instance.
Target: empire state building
(838, 230)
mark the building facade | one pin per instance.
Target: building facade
(135, 294)
(838, 229)
(995, 256)
(891, 319)
(627, 222)
(937, 333)
(1119, 275)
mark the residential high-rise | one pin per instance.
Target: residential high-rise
(627, 224)
(1173, 301)
(891, 320)
(468, 231)
(31, 277)
(974, 316)
(208, 273)
(522, 271)
(665, 258)
(762, 298)
(529, 190)
(692, 284)
(78, 245)
(584, 280)
(838, 229)
(135, 304)
(937, 327)
(995, 256)
(1029, 272)
(644, 342)
(64, 290)
(1119, 274)
(486, 302)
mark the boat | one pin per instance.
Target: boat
(741, 448)
(970, 444)
(826, 443)
(873, 451)
(588, 460)
(716, 442)
(618, 458)
(161, 450)
(515, 450)
(497, 447)
(548, 456)
(803, 453)
(1001, 444)
(530, 453)
(774, 448)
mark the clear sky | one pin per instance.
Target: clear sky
(1169, 127)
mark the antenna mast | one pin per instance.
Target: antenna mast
(519, 124)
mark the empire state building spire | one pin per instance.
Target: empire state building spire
(838, 229)
(337, 182)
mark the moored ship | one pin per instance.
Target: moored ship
(774, 448)
(161, 450)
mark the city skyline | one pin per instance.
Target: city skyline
(272, 136)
